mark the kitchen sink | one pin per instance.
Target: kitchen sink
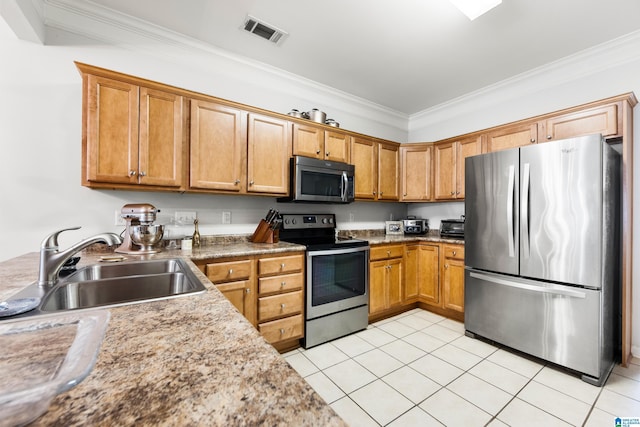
(109, 285)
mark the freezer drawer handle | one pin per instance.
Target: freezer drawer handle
(510, 192)
(499, 281)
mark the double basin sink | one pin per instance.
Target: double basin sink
(108, 285)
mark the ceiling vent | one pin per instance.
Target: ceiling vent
(264, 30)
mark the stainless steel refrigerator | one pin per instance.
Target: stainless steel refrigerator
(542, 252)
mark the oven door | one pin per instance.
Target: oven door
(337, 280)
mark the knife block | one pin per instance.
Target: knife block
(264, 233)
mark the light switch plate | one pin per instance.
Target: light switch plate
(226, 217)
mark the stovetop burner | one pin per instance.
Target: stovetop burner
(316, 231)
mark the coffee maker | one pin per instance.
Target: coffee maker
(140, 234)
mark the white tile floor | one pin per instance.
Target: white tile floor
(418, 369)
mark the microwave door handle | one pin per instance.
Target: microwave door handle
(345, 184)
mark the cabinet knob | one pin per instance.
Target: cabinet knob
(446, 266)
(374, 193)
(454, 253)
(452, 193)
(388, 253)
(236, 182)
(281, 331)
(251, 182)
(381, 193)
(327, 154)
(404, 195)
(549, 137)
(143, 173)
(457, 193)
(532, 140)
(283, 284)
(230, 271)
(282, 265)
(317, 151)
(132, 173)
(248, 290)
(282, 306)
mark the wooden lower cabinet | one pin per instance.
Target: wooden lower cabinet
(429, 275)
(453, 278)
(267, 290)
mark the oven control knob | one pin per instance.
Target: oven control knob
(330, 220)
(325, 220)
(293, 221)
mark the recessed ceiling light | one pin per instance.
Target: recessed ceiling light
(475, 8)
(264, 30)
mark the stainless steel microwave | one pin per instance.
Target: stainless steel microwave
(320, 181)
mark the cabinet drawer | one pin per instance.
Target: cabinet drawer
(386, 252)
(285, 264)
(283, 329)
(455, 252)
(283, 283)
(228, 271)
(279, 305)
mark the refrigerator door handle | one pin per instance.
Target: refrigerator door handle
(510, 218)
(525, 212)
(510, 283)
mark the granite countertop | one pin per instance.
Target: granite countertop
(378, 237)
(192, 360)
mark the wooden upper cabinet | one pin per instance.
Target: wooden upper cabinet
(465, 148)
(388, 170)
(268, 153)
(602, 120)
(111, 114)
(445, 170)
(218, 147)
(336, 146)
(308, 141)
(512, 136)
(416, 179)
(134, 135)
(313, 141)
(364, 158)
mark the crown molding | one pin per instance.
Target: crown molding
(603, 57)
(114, 28)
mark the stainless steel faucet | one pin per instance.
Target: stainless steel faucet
(52, 260)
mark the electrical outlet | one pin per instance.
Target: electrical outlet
(226, 217)
(352, 217)
(118, 218)
(186, 217)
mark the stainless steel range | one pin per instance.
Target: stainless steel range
(337, 277)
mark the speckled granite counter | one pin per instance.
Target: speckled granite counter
(378, 237)
(188, 361)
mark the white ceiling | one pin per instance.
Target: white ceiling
(407, 55)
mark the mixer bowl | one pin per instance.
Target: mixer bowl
(146, 235)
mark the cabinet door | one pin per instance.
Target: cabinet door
(388, 168)
(268, 155)
(161, 138)
(241, 296)
(377, 286)
(111, 131)
(411, 268)
(429, 274)
(445, 171)
(512, 136)
(218, 147)
(416, 180)
(465, 148)
(308, 141)
(602, 120)
(336, 146)
(394, 282)
(453, 284)
(363, 156)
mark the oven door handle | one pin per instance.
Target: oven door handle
(338, 251)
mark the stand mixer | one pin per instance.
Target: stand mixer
(140, 235)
